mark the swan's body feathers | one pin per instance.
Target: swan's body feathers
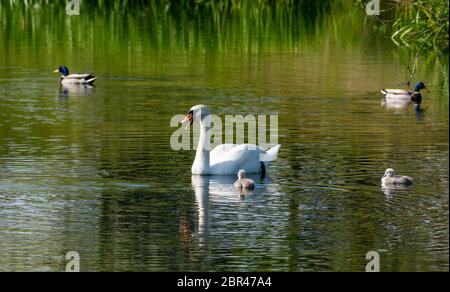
(229, 158)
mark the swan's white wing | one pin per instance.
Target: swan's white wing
(230, 158)
(241, 152)
(222, 149)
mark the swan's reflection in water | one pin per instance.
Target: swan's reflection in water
(217, 190)
(67, 90)
(201, 188)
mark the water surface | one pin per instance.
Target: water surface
(91, 169)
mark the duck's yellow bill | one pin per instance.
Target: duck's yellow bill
(56, 71)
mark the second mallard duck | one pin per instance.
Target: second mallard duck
(79, 78)
(397, 95)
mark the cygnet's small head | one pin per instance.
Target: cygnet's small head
(389, 172)
(196, 113)
(241, 174)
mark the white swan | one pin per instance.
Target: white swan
(225, 159)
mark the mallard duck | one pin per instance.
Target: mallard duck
(244, 183)
(400, 95)
(390, 178)
(79, 78)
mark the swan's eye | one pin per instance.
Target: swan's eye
(189, 118)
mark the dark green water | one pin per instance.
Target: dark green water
(92, 170)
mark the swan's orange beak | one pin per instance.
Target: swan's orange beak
(188, 119)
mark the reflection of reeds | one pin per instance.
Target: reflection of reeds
(212, 25)
(414, 23)
(144, 31)
(166, 25)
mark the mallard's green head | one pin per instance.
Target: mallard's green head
(63, 70)
(419, 86)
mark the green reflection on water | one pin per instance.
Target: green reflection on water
(93, 171)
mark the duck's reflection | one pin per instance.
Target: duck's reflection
(419, 112)
(245, 193)
(219, 190)
(400, 105)
(394, 190)
(396, 104)
(67, 90)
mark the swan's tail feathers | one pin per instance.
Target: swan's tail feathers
(270, 155)
(267, 157)
(273, 153)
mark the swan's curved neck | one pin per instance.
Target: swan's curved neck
(201, 162)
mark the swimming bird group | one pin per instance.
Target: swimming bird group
(225, 159)
(229, 159)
